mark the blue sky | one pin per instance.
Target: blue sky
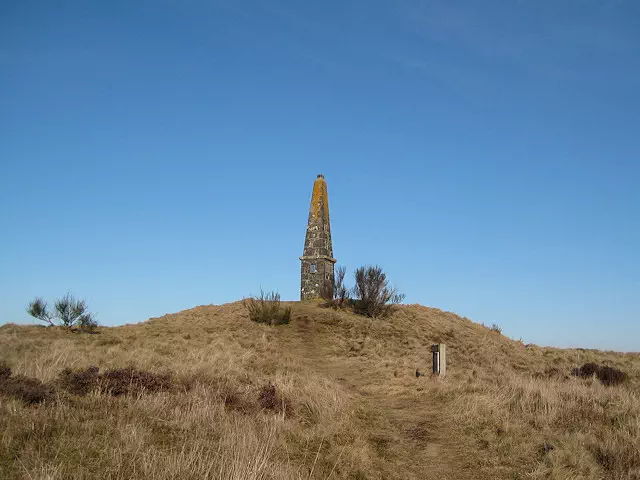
(157, 155)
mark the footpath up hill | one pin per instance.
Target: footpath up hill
(211, 394)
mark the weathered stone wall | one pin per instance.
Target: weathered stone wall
(318, 250)
(313, 283)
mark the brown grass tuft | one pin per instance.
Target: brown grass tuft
(266, 309)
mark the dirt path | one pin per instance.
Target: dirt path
(413, 439)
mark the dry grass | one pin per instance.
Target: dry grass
(331, 395)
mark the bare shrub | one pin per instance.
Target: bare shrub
(268, 397)
(266, 309)
(68, 312)
(495, 328)
(5, 371)
(585, 371)
(335, 293)
(611, 376)
(29, 390)
(270, 400)
(607, 375)
(374, 296)
(116, 382)
(123, 381)
(79, 382)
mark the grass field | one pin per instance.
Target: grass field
(330, 395)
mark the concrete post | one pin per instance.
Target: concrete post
(439, 351)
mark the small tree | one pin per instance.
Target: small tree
(336, 294)
(374, 296)
(68, 312)
(40, 310)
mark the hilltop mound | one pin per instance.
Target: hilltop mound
(331, 395)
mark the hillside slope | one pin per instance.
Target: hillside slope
(346, 403)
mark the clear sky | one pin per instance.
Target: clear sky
(157, 155)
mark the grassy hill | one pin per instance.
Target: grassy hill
(331, 395)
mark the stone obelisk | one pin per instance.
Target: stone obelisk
(317, 260)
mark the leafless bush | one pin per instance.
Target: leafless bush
(374, 296)
(496, 328)
(611, 376)
(585, 371)
(68, 312)
(5, 371)
(79, 382)
(335, 293)
(29, 390)
(123, 381)
(116, 382)
(607, 375)
(269, 399)
(266, 309)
